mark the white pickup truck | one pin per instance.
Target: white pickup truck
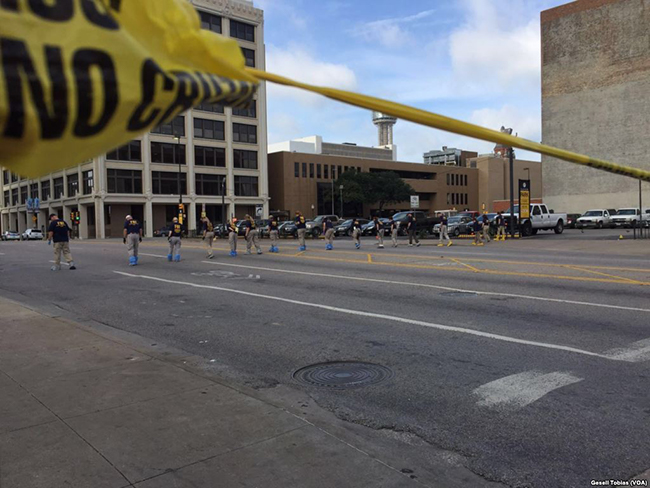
(540, 219)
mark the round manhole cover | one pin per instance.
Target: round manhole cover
(340, 375)
(459, 294)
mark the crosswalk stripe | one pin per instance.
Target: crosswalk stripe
(518, 390)
(637, 352)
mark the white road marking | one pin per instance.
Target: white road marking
(2, 254)
(518, 390)
(65, 264)
(636, 353)
(392, 318)
(152, 255)
(437, 287)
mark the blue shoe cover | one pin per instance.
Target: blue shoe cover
(132, 261)
(233, 253)
(177, 258)
(169, 257)
(136, 259)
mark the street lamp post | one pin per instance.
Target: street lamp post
(341, 193)
(180, 193)
(332, 197)
(511, 157)
(223, 202)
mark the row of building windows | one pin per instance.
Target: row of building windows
(456, 179)
(239, 30)
(210, 129)
(168, 153)
(44, 195)
(323, 171)
(456, 198)
(167, 183)
(130, 181)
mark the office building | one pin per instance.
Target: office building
(302, 174)
(595, 100)
(210, 144)
(448, 156)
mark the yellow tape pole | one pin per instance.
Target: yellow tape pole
(453, 125)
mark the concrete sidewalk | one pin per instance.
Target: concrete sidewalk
(83, 409)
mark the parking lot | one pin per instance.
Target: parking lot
(524, 362)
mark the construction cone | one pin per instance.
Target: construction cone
(620, 237)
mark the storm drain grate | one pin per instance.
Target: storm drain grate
(343, 375)
(459, 294)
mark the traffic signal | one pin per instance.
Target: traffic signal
(77, 217)
(71, 216)
(181, 212)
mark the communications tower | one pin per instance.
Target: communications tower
(384, 125)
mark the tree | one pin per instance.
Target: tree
(381, 188)
(390, 188)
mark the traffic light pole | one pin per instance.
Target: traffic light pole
(223, 202)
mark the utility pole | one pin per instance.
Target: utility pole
(223, 202)
(341, 193)
(180, 193)
(333, 196)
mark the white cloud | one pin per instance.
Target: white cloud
(491, 52)
(393, 32)
(298, 64)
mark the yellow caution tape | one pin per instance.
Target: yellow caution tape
(453, 125)
(81, 77)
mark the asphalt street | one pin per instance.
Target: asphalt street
(529, 359)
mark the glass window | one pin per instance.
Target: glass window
(318, 171)
(7, 198)
(33, 190)
(128, 152)
(311, 170)
(246, 112)
(210, 22)
(166, 183)
(58, 188)
(246, 186)
(240, 30)
(296, 170)
(23, 195)
(166, 153)
(210, 156)
(249, 57)
(339, 172)
(333, 172)
(5, 177)
(174, 128)
(245, 159)
(465, 182)
(216, 108)
(14, 196)
(124, 181)
(325, 171)
(244, 133)
(45, 190)
(209, 184)
(209, 129)
(88, 182)
(14, 177)
(304, 170)
(73, 184)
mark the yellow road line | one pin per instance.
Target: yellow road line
(476, 270)
(369, 258)
(636, 282)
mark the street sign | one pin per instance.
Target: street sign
(259, 210)
(415, 201)
(524, 199)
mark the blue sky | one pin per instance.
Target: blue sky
(476, 60)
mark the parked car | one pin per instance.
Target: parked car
(345, 228)
(424, 223)
(456, 226)
(288, 229)
(369, 228)
(263, 227)
(11, 235)
(32, 235)
(572, 220)
(597, 218)
(162, 232)
(315, 227)
(629, 217)
(541, 218)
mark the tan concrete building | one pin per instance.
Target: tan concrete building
(302, 180)
(595, 100)
(494, 180)
(210, 143)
